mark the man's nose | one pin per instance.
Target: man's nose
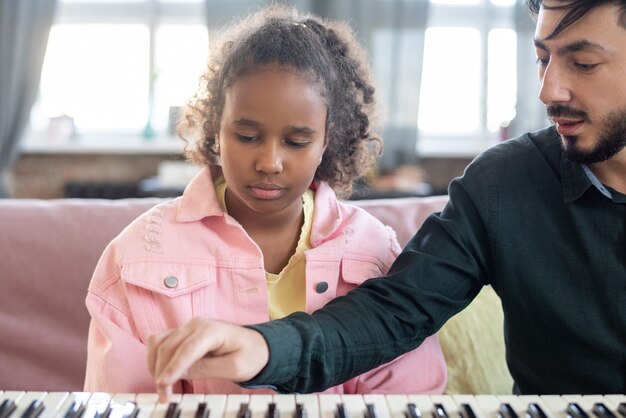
(554, 86)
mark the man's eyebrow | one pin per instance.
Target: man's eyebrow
(571, 47)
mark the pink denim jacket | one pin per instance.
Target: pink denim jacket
(187, 258)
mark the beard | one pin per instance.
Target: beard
(610, 141)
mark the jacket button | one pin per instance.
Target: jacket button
(321, 287)
(171, 282)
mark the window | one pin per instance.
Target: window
(468, 90)
(119, 69)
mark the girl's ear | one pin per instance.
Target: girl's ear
(322, 154)
(216, 145)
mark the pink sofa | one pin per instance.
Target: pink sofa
(48, 250)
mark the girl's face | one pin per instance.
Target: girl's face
(271, 141)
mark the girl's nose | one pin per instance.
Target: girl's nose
(269, 159)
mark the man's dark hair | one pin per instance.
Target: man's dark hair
(576, 9)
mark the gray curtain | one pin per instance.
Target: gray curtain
(393, 32)
(24, 29)
(530, 113)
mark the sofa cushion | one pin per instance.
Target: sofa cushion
(49, 250)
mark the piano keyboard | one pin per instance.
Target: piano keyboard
(18, 404)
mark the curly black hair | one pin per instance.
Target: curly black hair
(576, 9)
(326, 51)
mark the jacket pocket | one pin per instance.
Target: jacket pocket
(356, 271)
(168, 279)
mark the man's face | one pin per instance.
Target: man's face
(583, 81)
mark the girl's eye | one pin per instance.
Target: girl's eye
(245, 138)
(296, 143)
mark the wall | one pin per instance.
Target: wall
(45, 175)
(42, 175)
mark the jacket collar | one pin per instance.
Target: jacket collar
(327, 217)
(199, 199)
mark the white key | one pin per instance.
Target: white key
(25, 401)
(286, 404)
(311, 405)
(97, 404)
(397, 405)
(471, 402)
(258, 405)
(72, 400)
(160, 409)
(557, 406)
(423, 403)
(328, 405)
(447, 402)
(380, 404)
(354, 405)
(53, 402)
(216, 404)
(146, 402)
(189, 405)
(233, 404)
(489, 405)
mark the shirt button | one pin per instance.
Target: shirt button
(171, 282)
(321, 287)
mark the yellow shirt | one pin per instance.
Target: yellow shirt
(286, 290)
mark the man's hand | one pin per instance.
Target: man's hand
(205, 348)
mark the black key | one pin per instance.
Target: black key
(412, 411)
(173, 410)
(622, 409)
(370, 411)
(35, 408)
(341, 411)
(272, 411)
(7, 407)
(76, 410)
(601, 411)
(104, 414)
(301, 411)
(133, 413)
(244, 411)
(203, 410)
(506, 411)
(535, 411)
(575, 411)
(439, 411)
(466, 411)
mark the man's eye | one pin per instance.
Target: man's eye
(585, 67)
(542, 61)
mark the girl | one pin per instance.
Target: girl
(281, 124)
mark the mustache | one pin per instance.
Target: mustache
(566, 111)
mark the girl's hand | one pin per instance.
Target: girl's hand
(205, 348)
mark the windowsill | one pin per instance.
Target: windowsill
(451, 148)
(114, 144)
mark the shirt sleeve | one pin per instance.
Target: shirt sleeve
(439, 272)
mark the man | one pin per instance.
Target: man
(541, 218)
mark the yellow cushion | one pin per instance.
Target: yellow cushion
(473, 344)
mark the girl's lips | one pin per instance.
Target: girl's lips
(266, 193)
(568, 128)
